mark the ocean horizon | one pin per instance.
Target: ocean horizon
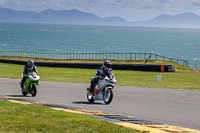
(178, 43)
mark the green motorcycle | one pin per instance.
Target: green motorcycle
(30, 85)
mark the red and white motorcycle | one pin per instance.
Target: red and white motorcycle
(103, 90)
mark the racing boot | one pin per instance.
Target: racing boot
(21, 85)
(91, 88)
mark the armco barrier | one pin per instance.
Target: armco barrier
(136, 67)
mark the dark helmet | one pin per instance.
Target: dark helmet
(107, 63)
(30, 62)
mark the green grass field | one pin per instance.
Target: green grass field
(183, 78)
(28, 118)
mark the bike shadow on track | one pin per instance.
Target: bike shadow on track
(17, 96)
(85, 102)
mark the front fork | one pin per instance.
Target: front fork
(28, 86)
(106, 88)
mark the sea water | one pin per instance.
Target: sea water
(173, 43)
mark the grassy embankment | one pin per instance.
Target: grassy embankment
(182, 78)
(26, 118)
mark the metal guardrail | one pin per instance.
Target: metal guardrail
(111, 56)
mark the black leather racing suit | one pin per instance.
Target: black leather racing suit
(101, 73)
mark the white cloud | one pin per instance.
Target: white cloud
(2, 2)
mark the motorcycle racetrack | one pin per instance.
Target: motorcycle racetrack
(153, 105)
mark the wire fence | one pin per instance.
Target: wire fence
(112, 56)
(194, 64)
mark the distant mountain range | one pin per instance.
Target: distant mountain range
(74, 16)
(183, 20)
(57, 17)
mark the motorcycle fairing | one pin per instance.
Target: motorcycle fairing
(97, 91)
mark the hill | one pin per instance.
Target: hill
(183, 20)
(73, 16)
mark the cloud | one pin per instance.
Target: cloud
(196, 4)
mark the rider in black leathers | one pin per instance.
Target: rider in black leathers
(28, 68)
(104, 70)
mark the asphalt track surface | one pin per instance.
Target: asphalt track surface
(166, 106)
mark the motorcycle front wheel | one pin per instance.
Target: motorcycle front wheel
(23, 92)
(34, 90)
(90, 97)
(108, 96)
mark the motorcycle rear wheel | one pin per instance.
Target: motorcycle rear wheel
(108, 97)
(34, 90)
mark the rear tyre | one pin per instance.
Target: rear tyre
(34, 90)
(108, 96)
(90, 97)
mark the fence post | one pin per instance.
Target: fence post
(139, 56)
(100, 55)
(135, 56)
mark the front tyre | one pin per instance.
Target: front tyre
(23, 91)
(108, 96)
(34, 90)
(90, 97)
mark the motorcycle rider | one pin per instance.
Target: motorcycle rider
(104, 70)
(28, 68)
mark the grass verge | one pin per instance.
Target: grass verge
(183, 78)
(28, 118)
(177, 66)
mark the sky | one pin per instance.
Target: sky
(130, 10)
